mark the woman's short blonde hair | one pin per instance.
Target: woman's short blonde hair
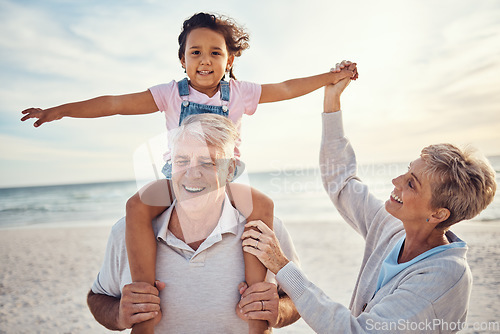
(214, 130)
(463, 182)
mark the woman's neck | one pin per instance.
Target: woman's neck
(419, 242)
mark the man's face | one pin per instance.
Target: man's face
(198, 178)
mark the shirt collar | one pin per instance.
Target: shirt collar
(228, 222)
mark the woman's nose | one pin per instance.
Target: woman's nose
(395, 181)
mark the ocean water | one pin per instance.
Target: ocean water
(299, 196)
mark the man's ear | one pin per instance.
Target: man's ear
(230, 170)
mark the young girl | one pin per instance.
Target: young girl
(208, 45)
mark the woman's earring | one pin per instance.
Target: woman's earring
(427, 220)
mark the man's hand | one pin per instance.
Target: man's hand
(139, 302)
(259, 302)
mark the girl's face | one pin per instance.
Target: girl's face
(410, 200)
(206, 59)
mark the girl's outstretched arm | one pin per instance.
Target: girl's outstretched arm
(297, 87)
(254, 205)
(128, 104)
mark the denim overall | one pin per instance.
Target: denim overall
(190, 108)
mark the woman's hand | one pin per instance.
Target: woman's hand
(333, 92)
(264, 245)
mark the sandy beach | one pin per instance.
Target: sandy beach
(46, 273)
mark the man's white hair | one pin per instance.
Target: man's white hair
(214, 130)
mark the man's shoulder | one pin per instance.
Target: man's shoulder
(279, 228)
(117, 233)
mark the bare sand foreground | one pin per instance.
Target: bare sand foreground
(46, 273)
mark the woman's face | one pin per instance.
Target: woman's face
(411, 197)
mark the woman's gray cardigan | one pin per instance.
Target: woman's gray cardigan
(430, 296)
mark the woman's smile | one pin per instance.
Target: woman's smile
(395, 198)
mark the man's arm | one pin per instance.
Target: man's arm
(105, 310)
(287, 312)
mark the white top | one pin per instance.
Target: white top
(201, 290)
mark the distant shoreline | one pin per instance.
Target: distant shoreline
(494, 159)
(107, 223)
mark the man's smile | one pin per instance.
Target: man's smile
(193, 189)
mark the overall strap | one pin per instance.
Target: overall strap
(224, 90)
(183, 86)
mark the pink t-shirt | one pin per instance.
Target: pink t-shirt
(244, 98)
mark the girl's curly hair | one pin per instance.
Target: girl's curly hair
(235, 36)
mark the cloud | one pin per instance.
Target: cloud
(429, 71)
(18, 149)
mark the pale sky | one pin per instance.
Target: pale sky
(429, 73)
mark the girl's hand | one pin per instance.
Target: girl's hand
(345, 64)
(339, 66)
(263, 244)
(43, 115)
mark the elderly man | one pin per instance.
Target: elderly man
(199, 254)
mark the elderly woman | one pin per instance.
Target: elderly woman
(414, 275)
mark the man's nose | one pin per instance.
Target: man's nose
(193, 170)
